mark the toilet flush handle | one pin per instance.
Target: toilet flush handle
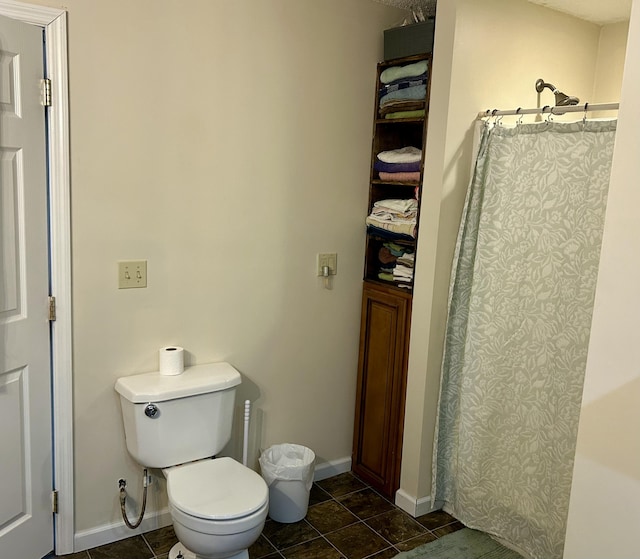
(151, 411)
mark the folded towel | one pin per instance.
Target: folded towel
(401, 282)
(385, 276)
(396, 167)
(408, 213)
(394, 73)
(406, 259)
(397, 205)
(401, 105)
(400, 177)
(408, 154)
(402, 228)
(402, 271)
(395, 249)
(402, 84)
(420, 113)
(386, 257)
(413, 93)
(391, 217)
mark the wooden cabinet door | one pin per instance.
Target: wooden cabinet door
(380, 398)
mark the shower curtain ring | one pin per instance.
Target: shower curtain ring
(519, 121)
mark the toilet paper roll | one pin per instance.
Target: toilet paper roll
(171, 360)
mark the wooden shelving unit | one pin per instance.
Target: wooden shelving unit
(386, 313)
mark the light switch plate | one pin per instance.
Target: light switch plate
(132, 273)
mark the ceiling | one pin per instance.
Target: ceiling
(596, 11)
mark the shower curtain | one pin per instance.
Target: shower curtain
(520, 305)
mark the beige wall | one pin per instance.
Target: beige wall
(500, 48)
(610, 63)
(227, 143)
(604, 511)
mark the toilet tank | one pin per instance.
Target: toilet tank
(170, 420)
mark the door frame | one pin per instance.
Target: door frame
(54, 23)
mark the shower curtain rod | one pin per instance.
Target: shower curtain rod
(552, 110)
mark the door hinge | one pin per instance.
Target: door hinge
(52, 308)
(46, 92)
(54, 501)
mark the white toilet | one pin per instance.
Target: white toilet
(178, 423)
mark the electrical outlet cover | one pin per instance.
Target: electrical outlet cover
(329, 259)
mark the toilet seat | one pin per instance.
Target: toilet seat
(216, 490)
(245, 524)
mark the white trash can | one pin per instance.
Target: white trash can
(288, 470)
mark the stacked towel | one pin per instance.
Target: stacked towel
(402, 177)
(386, 167)
(419, 113)
(404, 268)
(402, 84)
(395, 73)
(396, 208)
(399, 165)
(396, 264)
(404, 88)
(407, 154)
(412, 93)
(394, 219)
(394, 107)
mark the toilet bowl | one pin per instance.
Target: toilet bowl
(176, 423)
(218, 508)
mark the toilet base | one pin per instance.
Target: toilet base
(177, 549)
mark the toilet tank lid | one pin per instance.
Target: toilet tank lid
(199, 379)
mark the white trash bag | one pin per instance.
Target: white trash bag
(290, 462)
(288, 470)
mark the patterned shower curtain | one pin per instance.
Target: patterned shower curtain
(520, 305)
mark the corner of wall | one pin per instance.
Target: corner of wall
(412, 505)
(419, 423)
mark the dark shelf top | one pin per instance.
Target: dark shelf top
(416, 120)
(404, 242)
(391, 285)
(404, 60)
(394, 183)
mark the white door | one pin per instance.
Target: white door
(26, 520)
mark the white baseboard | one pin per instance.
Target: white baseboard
(109, 533)
(414, 506)
(332, 468)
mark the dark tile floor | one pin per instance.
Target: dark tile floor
(346, 520)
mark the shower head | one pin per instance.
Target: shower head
(562, 100)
